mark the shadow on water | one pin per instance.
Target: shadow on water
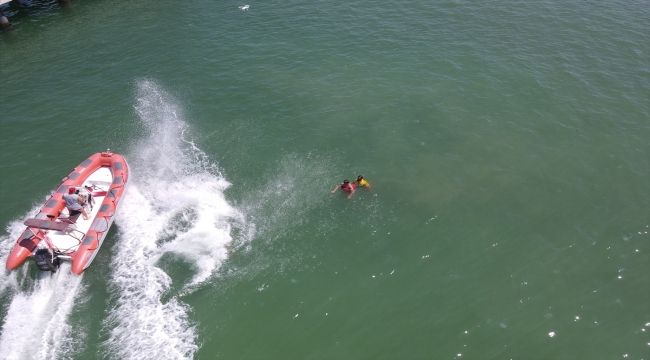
(25, 8)
(18, 12)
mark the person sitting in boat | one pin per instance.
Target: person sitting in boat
(347, 187)
(362, 182)
(73, 203)
(87, 198)
(83, 201)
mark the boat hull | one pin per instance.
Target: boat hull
(100, 222)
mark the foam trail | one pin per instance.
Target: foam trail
(8, 279)
(174, 204)
(36, 322)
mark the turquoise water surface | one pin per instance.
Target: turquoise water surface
(507, 144)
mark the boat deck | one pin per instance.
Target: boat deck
(68, 241)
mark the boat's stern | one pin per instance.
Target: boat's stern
(23, 248)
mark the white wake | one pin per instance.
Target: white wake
(175, 205)
(36, 325)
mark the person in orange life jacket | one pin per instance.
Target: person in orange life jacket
(73, 203)
(347, 187)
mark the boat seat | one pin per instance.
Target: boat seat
(65, 225)
(47, 224)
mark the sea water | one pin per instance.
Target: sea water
(507, 145)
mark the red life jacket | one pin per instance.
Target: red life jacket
(348, 187)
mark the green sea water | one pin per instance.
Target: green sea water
(507, 144)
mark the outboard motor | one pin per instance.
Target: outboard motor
(46, 261)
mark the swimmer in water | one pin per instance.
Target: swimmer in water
(362, 182)
(347, 187)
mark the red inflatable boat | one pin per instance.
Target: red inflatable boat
(53, 234)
